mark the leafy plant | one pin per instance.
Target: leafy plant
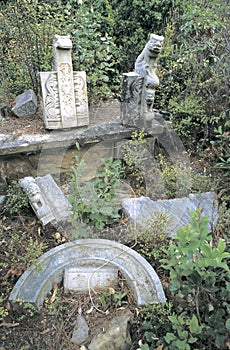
(16, 199)
(133, 154)
(110, 298)
(199, 278)
(95, 203)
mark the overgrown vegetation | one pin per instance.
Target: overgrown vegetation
(198, 313)
(194, 74)
(95, 203)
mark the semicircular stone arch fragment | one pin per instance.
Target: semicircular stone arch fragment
(36, 282)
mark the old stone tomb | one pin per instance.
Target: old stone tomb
(64, 92)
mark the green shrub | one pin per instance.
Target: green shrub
(17, 200)
(95, 203)
(199, 284)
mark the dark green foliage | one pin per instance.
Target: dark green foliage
(95, 203)
(199, 285)
(17, 200)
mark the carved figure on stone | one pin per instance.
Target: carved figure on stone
(138, 88)
(36, 199)
(146, 66)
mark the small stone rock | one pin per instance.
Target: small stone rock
(116, 337)
(26, 104)
(80, 331)
(2, 201)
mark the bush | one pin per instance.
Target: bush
(199, 292)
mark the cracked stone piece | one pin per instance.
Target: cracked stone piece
(115, 337)
(26, 104)
(140, 210)
(38, 280)
(80, 331)
(47, 199)
(80, 279)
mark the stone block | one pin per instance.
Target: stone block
(26, 104)
(82, 278)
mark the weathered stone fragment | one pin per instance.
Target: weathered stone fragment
(46, 198)
(141, 210)
(37, 281)
(26, 104)
(80, 331)
(116, 335)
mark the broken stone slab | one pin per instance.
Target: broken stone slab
(81, 331)
(82, 278)
(116, 335)
(26, 104)
(141, 210)
(47, 199)
(38, 280)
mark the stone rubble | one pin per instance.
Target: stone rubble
(81, 331)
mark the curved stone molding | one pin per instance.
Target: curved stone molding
(37, 281)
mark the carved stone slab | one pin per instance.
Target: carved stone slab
(82, 278)
(131, 99)
(64, 92)
(46, 198)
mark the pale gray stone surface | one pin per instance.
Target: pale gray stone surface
(2, 201)
(47, 199)
(64, 92)
(116, 335)
(82, 278)
(138, 88)
(81, 331)
(26, 104)
(37, 281)
(140, 210)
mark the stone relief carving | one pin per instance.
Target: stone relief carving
(36, 199)
(138, 88)
(47, 199)
(64, 92)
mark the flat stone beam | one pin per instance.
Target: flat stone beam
(9, 144)
(36, 282)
